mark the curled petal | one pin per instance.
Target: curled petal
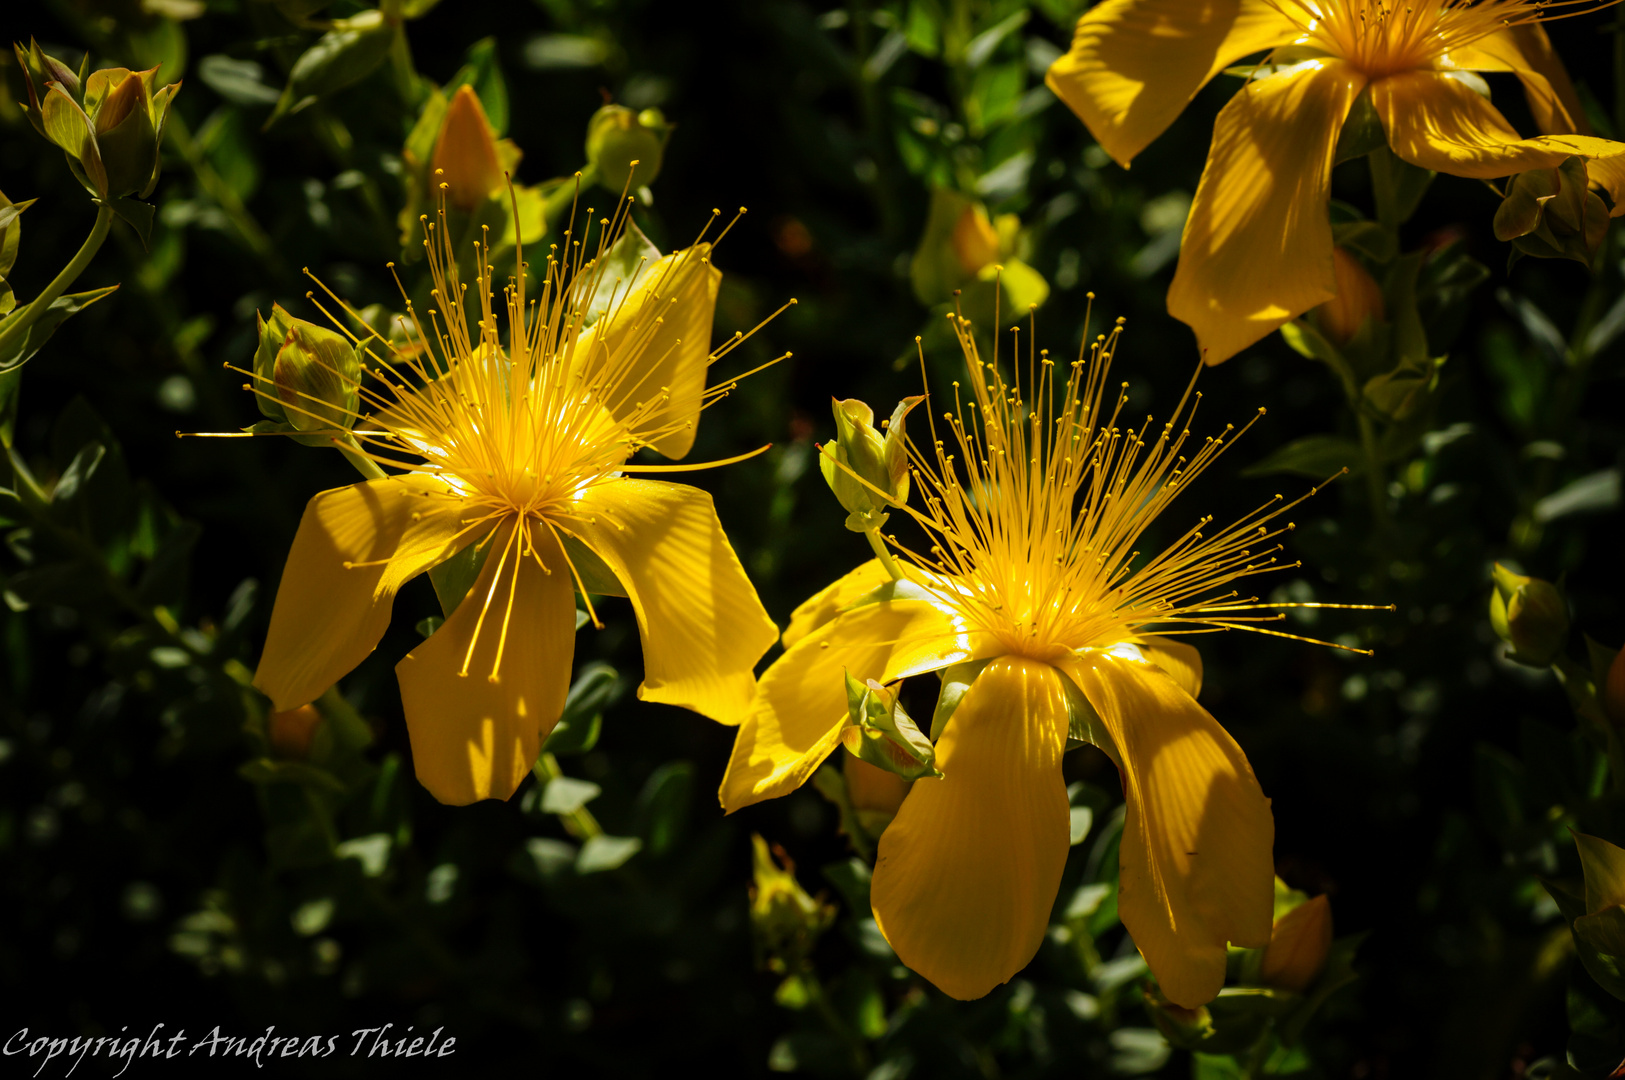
(476, 734)
(967, 872)
(356, 546)
(1437, 123)
(703, 628)
(1179, 661)
(1527, 52)
(831, 600)
(800, 705)
(1257, 249)
(1135, 64)
(1196, 867)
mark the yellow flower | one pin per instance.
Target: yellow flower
(1034, 593)
(1257, 247)
(522, 449)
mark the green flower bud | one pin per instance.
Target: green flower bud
(861, 460)
(10, 240)
(40, 70)
(785, 920)
(307, 377)
(883, 734)
(1553, 214)
(1529, 614)
(617, 137)
(1603, 925)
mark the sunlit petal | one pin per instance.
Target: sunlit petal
(1180, 661)
(1135, 64)
(331, 612)
(1527, 52)
(1439, 124)
(1196, 858)
(473, 736)
(829, 601)
(703, 628)
(968, 870)
(1257, 248)
(800, 704)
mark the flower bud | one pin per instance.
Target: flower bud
(1553, 214)
(39, 70)
(1358, 298)
(465, 156)
(307, 376)
(1299, 944)
(10, 240)
(1603, 925)
(785, 921)
(1529, 614)
(975, 242)
(883, 734)
(862, 460)
(1613, 690)
(617, 136)
(291, 732)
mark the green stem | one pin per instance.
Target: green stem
(363, 464)
(1374, 483)
(837, 1026)
(878, 543)
(14, 327)
(578, 823)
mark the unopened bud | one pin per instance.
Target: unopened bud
(617, 136)
(1553, 214)
(883, 734)
(785, 920)
(128, 118)
(866, 470)
(308, 377)
(1613, 690)
(975, 241)
(1358, 298)
(1299, 944)
(291, 732)
(1603, 925)
(38, 70)
(465, 156)
(1529, 614)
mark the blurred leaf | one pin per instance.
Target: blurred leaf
(372, 852)
(1540, 328)
(606, 853)
(481, 71)
(1593, 494)
(344, 55)
(566, 795)
(1314, 456)
(138, 215)
(980, 48)
(661, 812)
(241, 82)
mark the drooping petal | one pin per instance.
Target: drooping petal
(1527, 52)
(1196, 867)
(475, 737)
(1180, 661)
(1135, 64)
(1257, 248)
(355, 547)
(829, 601)
(967, 872)
(656, 347)
(800, 706)
(702, 626)
(1437, 123)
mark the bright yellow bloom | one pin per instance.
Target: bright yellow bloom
(1034, 591)
(1257, 248)
(522, 448)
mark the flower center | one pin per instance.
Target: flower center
(1386, 37)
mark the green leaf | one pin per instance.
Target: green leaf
(241, 82)
(481, 71)
(596, 578)
(1367, 238)
(661, 812)
(137, 215)
(595, 689)
(39, 332)
(348, 53)
(955, 681)
(1313, 456)
(606, 852)
(566, 795)
(980, 48)
(851, 878)
(1362, 132)
(1595, 493)
(453, 578)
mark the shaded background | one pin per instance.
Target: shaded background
(146, 878)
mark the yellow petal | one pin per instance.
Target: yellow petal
(829, 601)
(328, 618)
(1135, 64)
(657, 342)
(1527, 52)
(702, 626)
(474, 737)
(1195, 862)
(1257, 248)
(1178, 660)
(800, 705)
(1437, 123)
(967, 872)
